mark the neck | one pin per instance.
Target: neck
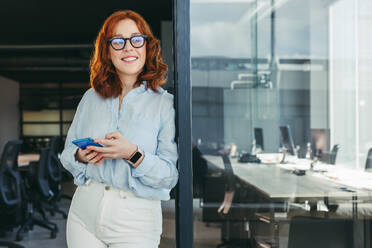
(127, 82)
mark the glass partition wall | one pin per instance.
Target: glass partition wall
(280, 122)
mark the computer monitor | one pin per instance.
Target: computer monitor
(258, 136)
(320, 143)
(369, 160)
(287, 139)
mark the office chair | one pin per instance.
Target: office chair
(221, 204)
(229, 215)
(10, 190)
(369, 159)
(199, 172)
(215, 184)
(39, 193)
(55, 177)
(54, 164)
(308, 232)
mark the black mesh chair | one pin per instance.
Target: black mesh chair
(215, 184)
(55, 177)
(39, 193)
(199, 172)
(54, 164)
(221, 203)
(10, 191)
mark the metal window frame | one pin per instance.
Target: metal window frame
(184, 198)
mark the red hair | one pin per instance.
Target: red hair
(103, 77)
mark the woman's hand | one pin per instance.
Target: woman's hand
(116, 146)
(88, 156)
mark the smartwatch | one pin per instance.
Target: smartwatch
(137, 155)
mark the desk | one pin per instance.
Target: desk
(277, 183)
(26, 159)
(281, 185)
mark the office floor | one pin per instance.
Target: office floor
(40, 238)
(205, 236)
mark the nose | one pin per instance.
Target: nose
(128, 46)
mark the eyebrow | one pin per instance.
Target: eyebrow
(116, 35)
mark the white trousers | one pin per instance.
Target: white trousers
(102, 216)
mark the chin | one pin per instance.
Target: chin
(130, 72)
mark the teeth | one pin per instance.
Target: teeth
(129, 59)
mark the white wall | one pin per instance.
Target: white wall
(351, 80)
(9, 111)
(343, 81)
(319, 74)
(364, 78)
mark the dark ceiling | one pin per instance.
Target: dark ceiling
(51, 41)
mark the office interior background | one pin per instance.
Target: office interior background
(283, 82)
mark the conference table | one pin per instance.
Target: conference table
(326, 183)
(276, 182)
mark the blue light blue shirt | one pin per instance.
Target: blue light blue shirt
(146, 118)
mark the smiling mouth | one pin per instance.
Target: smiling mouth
(129, 59)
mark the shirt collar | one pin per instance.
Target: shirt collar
(142, 88)
(136, 91)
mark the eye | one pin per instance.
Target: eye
(138, 40)
(117, 41)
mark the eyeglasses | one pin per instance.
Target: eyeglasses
(136, 41)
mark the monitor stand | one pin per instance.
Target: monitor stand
(283, 158)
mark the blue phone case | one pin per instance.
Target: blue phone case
(83, 143)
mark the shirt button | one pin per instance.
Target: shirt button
(107, 187)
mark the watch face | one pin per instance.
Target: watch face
(135, 157)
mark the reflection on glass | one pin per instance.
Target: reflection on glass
(303, 65)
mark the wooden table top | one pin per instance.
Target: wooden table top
(26, 159)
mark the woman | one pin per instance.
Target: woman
(120, 185)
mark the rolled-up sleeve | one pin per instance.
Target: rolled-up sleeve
(159, 170)
(77, 169)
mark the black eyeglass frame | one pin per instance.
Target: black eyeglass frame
(130, 41)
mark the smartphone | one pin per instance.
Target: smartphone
(83, 143)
